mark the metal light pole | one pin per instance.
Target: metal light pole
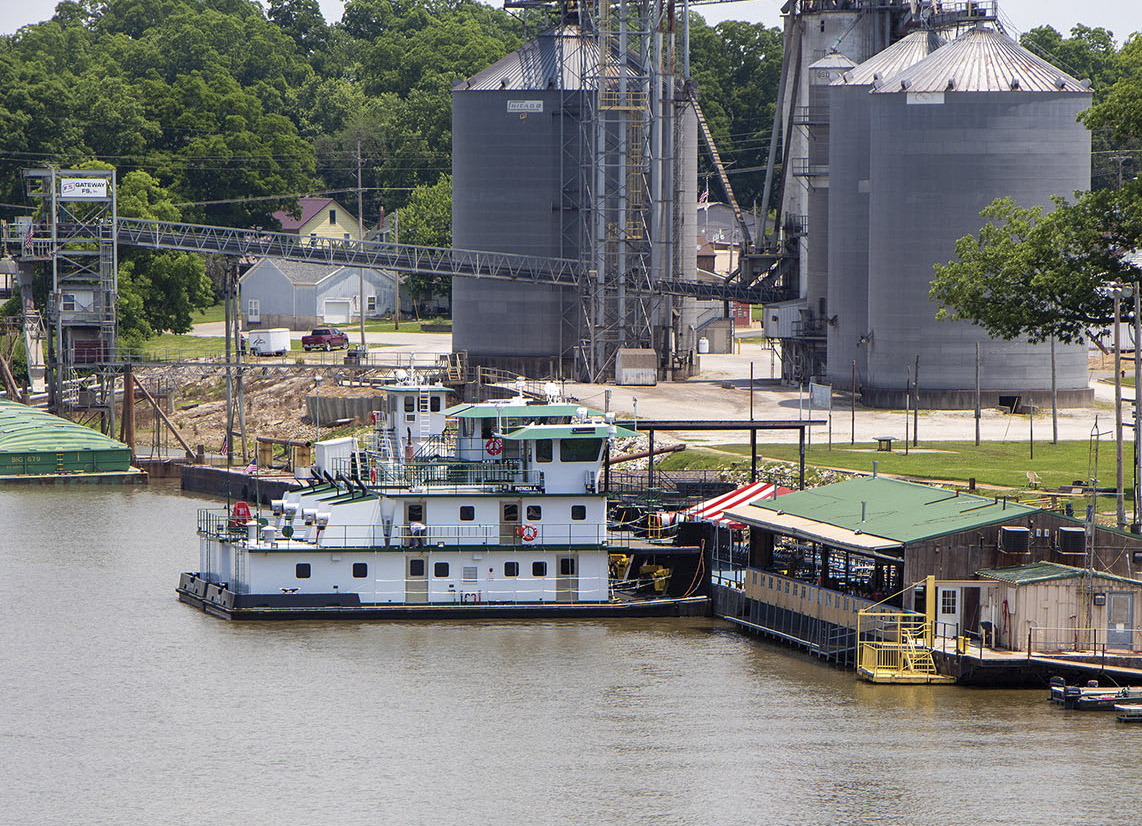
(317, 408)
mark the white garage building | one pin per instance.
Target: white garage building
(300, 296)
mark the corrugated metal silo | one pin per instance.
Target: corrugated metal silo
(849, 102)
(516, 188)
(978, 119)
(816, 172)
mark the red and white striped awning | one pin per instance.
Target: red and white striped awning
(713, 510)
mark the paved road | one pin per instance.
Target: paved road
(721, 391)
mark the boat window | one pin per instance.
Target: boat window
(467, 513)
(578, 512)
(511, 569)
(440, 570)
(539, 569)
(543, 451)
(360, 569)
(947, 601)
(534, 513)
(415, 512)
(302, 570)
(511, 512)
(416, 567)
(567, 566)
(409, 404)
(434, 404)
(579, 450)
(486, 428)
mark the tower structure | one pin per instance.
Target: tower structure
(581, 145)
(79, 209)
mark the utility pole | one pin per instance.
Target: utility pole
(1137, 487)
(1119, 493)
(361, 237)
(977, 405)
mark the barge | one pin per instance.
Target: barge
(489, 511)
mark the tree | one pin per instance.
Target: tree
(158, 291)
(427, 221)
(1043, 275)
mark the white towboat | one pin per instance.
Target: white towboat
(487, 509)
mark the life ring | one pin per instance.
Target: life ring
(494, 446)
(528, 532)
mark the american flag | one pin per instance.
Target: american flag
(705, 196)
(28, 239)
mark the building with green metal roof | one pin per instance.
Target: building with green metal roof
(37, 444)
(815, 559)
(1053, 607)
(899, 532)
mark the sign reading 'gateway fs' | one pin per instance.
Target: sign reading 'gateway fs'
(81, 189)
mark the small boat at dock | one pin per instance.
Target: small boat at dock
(1093, 697)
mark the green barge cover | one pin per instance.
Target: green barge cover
(35, 443)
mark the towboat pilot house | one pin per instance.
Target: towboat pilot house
(818, 557)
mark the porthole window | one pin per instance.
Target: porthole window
(360, 570)
(534, 513)
(539, 569)
(440, 570)
(578, 512)
(302, 570)
(511, 569)
(567, 566)
(416, 567)
(511, 512)
(467, 513)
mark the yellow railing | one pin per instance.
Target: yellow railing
(894, 647)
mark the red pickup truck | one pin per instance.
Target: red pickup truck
(324, 338)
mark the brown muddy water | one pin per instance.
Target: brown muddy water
(123, 706)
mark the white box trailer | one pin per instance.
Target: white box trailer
(271, 342)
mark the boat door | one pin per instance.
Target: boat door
(1120, 620)
(416, 579)
(948, 614)
(509, 521)
(567, 578)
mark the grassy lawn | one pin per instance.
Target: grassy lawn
(173, 347)
(407, 325)
(215, 313)
(1003, 464)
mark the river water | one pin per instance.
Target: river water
(121, 705)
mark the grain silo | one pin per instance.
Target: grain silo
(816, 170)
(848, 192)
(978, 119)
(564, 149)
(516, 184)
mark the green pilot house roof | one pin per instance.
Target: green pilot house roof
(35, 443)
(875, 513)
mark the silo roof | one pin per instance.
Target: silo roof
(982, 60)
(905, 52)
(833, 60)
(557, 59)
